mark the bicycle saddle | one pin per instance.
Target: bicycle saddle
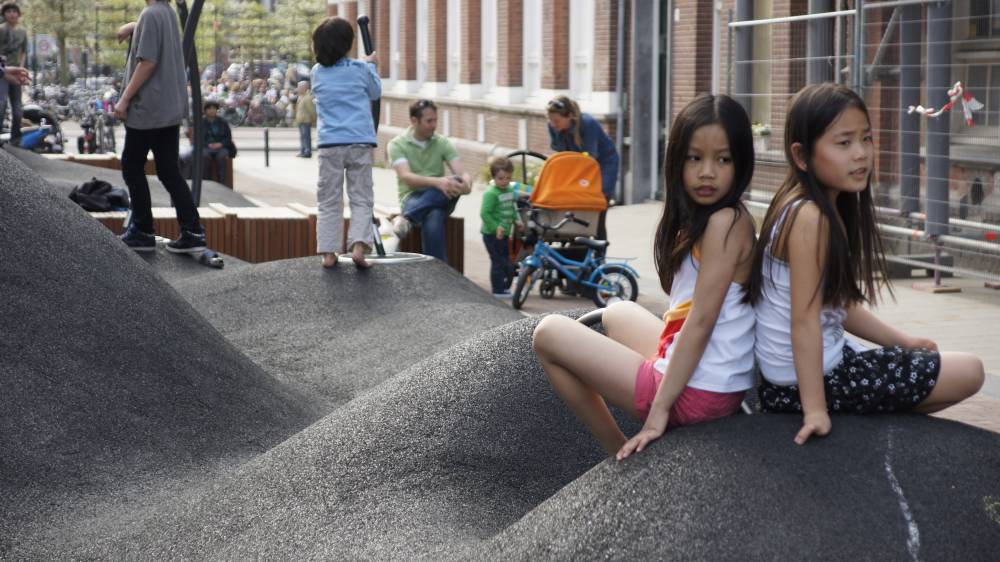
(595, 244)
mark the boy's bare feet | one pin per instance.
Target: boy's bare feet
(358, 255)
(329, 260)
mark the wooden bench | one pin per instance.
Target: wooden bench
(113, 162)
(211, 173)
(260, 234)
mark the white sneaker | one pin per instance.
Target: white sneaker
(503, 295)
(401, 226)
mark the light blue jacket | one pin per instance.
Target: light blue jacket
(343, 93)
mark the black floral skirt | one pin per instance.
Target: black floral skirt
(884, 379)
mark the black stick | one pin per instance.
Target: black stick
(189, 23)
(366, 39)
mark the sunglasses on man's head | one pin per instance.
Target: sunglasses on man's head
(423, 103)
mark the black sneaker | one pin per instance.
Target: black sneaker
(188, 243)
(138, 240)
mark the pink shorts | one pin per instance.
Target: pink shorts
(692, 406)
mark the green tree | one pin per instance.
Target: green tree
(104, 19)
(294, 24)
(64, 19)
(250, 33)
(210, 40)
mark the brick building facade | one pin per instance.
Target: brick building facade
(491, 66)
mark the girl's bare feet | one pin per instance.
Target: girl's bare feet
(329, 260)
(358, 255)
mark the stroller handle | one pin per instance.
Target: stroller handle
(568, 217)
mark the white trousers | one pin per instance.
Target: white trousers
(335, 163)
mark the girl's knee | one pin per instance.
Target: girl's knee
(965, 371)
(617, 313)
(976, 374)
(546, 331)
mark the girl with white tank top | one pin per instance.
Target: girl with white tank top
(727, 364)
(695, 364)
(774, 320)
(815, 268)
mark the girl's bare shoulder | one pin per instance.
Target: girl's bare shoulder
(729, 222)
(807, 218)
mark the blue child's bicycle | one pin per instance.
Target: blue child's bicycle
(603, 282)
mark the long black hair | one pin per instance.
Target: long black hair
(854, 252)
(684, 221)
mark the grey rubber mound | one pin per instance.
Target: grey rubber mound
(64, 176)
(114, 391)
(174, 268)
(428, 464)
(878, 488)
(333, 333)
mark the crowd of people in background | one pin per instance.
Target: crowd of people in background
(267, 101)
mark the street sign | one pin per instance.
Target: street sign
(45, 45)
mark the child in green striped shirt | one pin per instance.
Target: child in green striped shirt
(499, 213)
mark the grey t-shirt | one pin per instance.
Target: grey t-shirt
(162, 101)
(13, 43)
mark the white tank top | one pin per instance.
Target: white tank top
(774, 321)
(727, 363)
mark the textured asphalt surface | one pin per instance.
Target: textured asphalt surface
(115, 391)
(174, 268)
(332, 333)
(142, 424)
(65, 176)
(437, 459)
(740, 489)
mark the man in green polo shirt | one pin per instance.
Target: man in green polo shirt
(426, 192)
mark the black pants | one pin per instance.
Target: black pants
(164, 143)
(501, 269)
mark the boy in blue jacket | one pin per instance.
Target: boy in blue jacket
(343, 89)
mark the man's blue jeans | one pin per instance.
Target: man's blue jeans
(305, 139)
(430, 209)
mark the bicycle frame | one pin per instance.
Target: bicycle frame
(545, 254)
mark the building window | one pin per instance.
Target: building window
(984, 19)
(983, 82)
(760, 105)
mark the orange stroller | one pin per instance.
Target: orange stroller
(568, 181)
(560, 220)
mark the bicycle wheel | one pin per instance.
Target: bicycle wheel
(525, 280)
(615, 282)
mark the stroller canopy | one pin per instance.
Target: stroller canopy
(569, 181)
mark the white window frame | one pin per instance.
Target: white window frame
(531, 51)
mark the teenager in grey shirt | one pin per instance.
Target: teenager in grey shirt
(152, 106)
(14, 46)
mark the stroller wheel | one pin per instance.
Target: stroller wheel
(550, 281)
